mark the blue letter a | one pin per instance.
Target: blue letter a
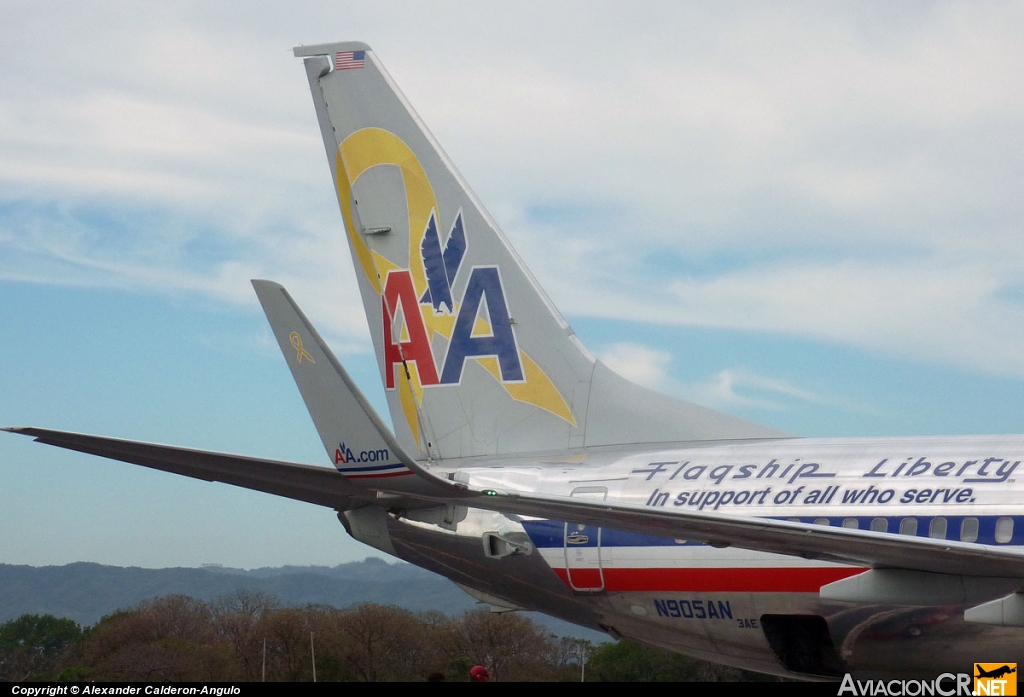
(484, 281)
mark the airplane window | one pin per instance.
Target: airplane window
(969, 530)
(1004, 530)
(937, 528)
(851, 523)
(908, 526)
(824, 521)
(880, 525)
(793, 520)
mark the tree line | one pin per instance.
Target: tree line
(251, 636)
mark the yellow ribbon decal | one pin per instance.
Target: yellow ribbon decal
(364, 150)
(300, 352)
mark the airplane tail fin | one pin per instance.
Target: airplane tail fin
(474, 357)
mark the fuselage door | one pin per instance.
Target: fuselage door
(583, 547)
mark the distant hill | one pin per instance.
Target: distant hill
(85, 592)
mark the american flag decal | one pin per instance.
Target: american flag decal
(349, 60)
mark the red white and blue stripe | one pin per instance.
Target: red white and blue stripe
(349, 60)
(626, 562)
(375, 471)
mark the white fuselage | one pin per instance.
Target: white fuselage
(713, 602)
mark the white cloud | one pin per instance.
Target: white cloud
(725, 390)
(838, 172)
(731, 388)
(960, 313)
(641, 364)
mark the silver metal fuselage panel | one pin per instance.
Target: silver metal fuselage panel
(708, 602)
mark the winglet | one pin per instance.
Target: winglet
(357, 441)
(329, 49)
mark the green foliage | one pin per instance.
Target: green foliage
(628, 661)
(31, 644)
(45, 634)
(75, 674)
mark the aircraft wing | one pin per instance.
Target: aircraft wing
(319, 485)
(326, 487)
(861, 548)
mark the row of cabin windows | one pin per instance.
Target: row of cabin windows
(937, 528)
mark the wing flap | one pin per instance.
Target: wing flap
(319, 485)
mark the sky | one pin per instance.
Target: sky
(809, 215)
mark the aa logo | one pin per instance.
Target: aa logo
(995, 679)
